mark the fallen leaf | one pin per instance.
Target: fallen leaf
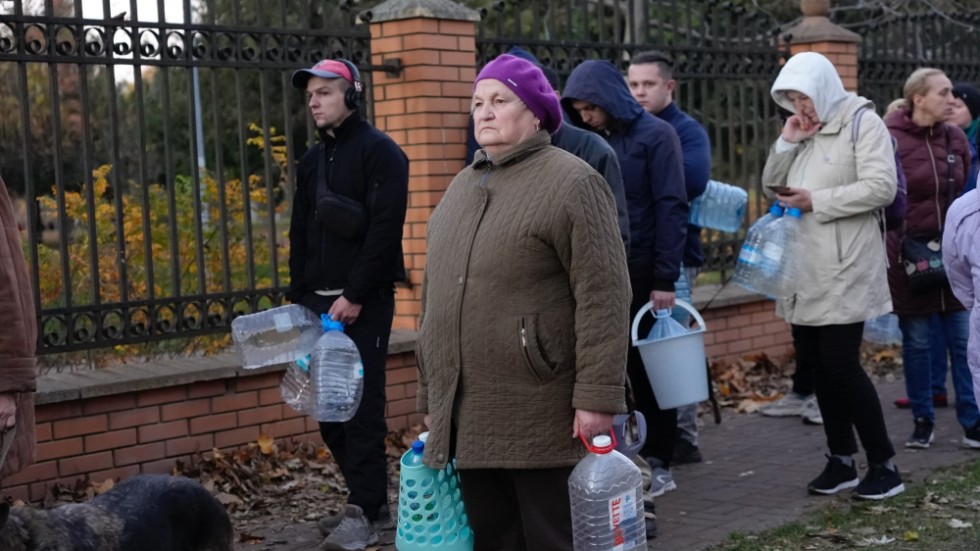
(266, 444)
(910, 535)
(883, 540)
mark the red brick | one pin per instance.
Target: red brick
(728, 335)
(774, 327)
(42, 470)
(717, 351)
(396, 424)
(766, 341)
(139, 454)
(256, 382)
(270, 396)
(401, 407)
(256, 416)
(750, 331)
(22, 492)
(61, 410)
(161, 396)
(110, 440)
(160, 466)
(288, 427)
(42, 432)
(206, 389)
(762, 317)
(402, 375)
(185, 410)
(286, 412)
(462, 28)
(411, 390)
(134, 418)
(189, 445)
(80, 426)
(105, 404)
(235, 402)
(56, 449)
(237, 437)
(39, 491)
(740, 346)
(395, 392)
(163, 431)
(85, 463)
(214, 423)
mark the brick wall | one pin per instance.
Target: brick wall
(146, 431)
(844, 56)
(742, 328)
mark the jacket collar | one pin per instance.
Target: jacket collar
(539, 140)
(342, 131)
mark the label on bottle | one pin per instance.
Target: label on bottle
(282, 322)
(748, 255)
(358, 370)
(772, 251)
(621, 508)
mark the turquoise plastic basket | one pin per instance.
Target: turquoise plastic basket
(430, 510)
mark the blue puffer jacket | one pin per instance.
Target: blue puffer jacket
(652, 164)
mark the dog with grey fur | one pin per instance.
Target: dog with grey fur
(143, 513)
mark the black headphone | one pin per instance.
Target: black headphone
(352, 97)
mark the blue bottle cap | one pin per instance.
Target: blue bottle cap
(329, 324)
(776, 210)
(418, 446)
(794, 212)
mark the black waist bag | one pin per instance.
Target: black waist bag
(338, 213)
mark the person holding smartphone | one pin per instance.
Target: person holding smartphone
(838, 184)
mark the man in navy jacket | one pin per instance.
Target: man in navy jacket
(651, 80)
(596, 97)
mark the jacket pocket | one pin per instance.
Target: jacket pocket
(534, 358)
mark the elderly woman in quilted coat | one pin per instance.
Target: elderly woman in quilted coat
(17, 342)
(523, 339)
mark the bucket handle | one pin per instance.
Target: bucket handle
(649, 306)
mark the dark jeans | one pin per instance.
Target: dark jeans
(803, 374)
(848, 400)
(661, 424)
(359, 444)
(518, 509)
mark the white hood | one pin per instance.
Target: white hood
(815, 76)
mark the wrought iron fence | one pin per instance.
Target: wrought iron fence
(891, 50)
(725, 61)
(154, 150)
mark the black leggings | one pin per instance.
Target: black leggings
(848, 400)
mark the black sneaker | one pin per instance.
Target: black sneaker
(685, 452)
(836, 476)
(972, 437)
(880, 483)
(922, 436)
(650, 516)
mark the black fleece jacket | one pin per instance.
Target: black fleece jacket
(364, 164)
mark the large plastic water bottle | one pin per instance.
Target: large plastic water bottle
(666, 326)
(781, 254)
(337, 374)
(682, 291)
(606, 493)
(748, 268)
(275, 336)
(883, 330)
(720, 207)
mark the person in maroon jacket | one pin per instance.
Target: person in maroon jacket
(935, 157)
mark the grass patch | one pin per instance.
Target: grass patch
(941, 515)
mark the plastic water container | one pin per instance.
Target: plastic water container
(682, 291)
(673, 358)
(275, 336)
(780, 267)
(748, 267)
(606, 493)
(296, 390)
(883, 330)
(720, 207)
(431, 515)
(337, 374)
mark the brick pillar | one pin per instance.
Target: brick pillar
(425, 110)
(815, 33)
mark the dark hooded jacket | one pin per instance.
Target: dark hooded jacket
(933, 183)
(652, 164)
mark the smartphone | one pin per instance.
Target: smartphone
(779, 189)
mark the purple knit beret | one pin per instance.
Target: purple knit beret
(527, 81)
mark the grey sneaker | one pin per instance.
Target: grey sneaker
(354, 533)
(661, 479)
(789, 405)
(811, 412)
(330, 522)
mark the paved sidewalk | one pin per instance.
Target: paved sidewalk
(754, 477)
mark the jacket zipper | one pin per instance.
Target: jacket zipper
(469, 254)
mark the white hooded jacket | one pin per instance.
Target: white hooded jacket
(843, 274)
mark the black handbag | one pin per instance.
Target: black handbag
(339, 214)
(922, 257)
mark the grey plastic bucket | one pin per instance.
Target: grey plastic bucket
(674, 365)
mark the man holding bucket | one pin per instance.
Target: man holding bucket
(596, 97)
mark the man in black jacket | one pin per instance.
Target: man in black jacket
(345, 256)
